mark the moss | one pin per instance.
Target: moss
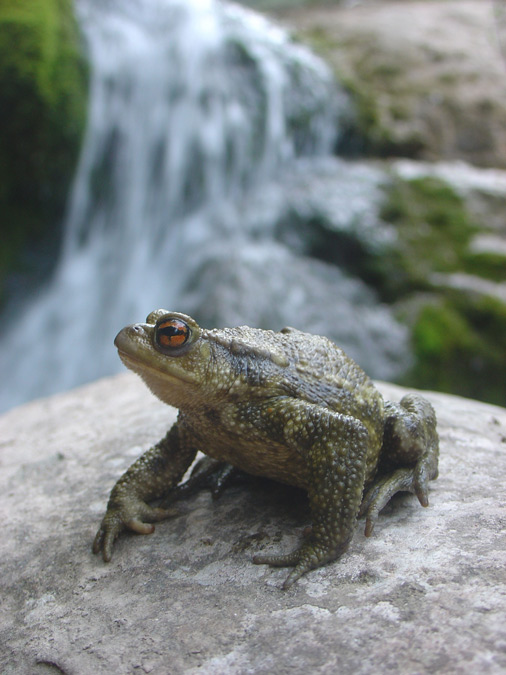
(457, 336)
(367, 134)
(377, 86)
(375, 138)
(458, 345)
(372, 133)
(487, 265)
(42, 116)
(433, 230)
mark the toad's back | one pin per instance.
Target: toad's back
(302, 366)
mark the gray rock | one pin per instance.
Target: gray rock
(425, 594)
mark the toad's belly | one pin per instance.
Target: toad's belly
(271, 461)
(255, 455)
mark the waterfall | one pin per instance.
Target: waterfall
(196, 109)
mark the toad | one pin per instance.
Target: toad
(286, 405)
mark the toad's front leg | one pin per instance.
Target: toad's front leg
(150, 477)
(334, 447)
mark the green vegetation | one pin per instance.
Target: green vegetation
(457, 335)
(367, 87)
(42, 117)
(459, 347)
(487, 265)
(433, 229)
(368, 78)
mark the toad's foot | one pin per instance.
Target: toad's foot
(410, 438)
(305, 559)
(126, 511)
(378, 496)
(149, 479)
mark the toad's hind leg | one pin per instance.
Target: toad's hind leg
(409, 456)
(335, 461)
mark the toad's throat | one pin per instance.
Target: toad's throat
(147, 372)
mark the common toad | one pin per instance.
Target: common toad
(290, 406)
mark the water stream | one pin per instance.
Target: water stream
(207, 127)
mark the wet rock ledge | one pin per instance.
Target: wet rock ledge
(427, 593)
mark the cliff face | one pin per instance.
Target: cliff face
(427, 77)
(427, 590)
(42, 116)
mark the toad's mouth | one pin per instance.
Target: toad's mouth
(149, 372)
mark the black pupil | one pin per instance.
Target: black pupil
(172, 333)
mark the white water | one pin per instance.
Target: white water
(195, 105)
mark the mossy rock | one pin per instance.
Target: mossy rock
(43, 92)
(458, 344)
(457, 334)
(426, 77)
(433, 231)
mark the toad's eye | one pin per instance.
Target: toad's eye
(171, 334)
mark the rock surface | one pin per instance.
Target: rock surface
(425, 594)
(428, 76)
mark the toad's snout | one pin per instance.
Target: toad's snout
(129, 336)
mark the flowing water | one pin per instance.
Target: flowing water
(208, 129)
